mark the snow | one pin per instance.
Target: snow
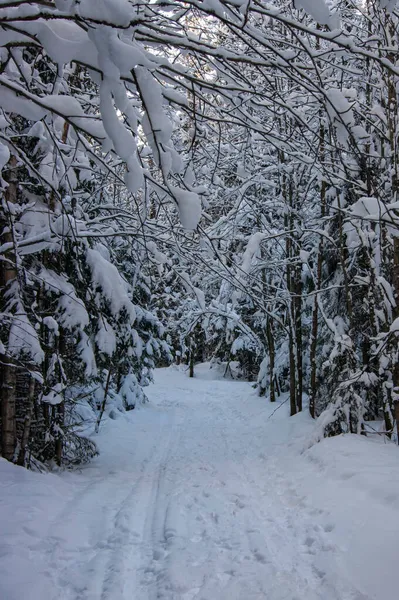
(339, 108)
(23, 338)
(105, 337)
(252, 250)
(71, 311)
(122, 139)
(4, 156)
(13, 100)
(205, 493)
(388, 4)
(106, 276)
(189, 205)
(395, 325)
(373, 209)
(318, 9)
(114, 11)
(63, 40)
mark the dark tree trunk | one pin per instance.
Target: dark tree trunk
(191, 363)
(104, 402)
(293, 406)
(395, 374)
(27, 423)
(298, 337)
(8, 409)
(60, 415)
(270, 343)
(8, 273)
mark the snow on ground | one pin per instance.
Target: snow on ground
(204, 494)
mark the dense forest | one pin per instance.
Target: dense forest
(199, 180)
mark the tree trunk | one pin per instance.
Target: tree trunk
(270, 343)
(8, 273)
(395, 374)
(27, 423)
(59, 442)
(298, 336)
(320, 258)
(191, 361)
(313, 347)
(291, 309)
(104, 402)
(293, 407)
(396, 415)
(393, 128)
(8, 409)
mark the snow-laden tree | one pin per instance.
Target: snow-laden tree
(329, 151)
(119, 120)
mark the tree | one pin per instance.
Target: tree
(118, 123)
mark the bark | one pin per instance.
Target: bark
(388, 420)
(313, 343)
(392, 127)
(60, 438)
(191, 360)
(8, 409)
(291, 319)
(272, 353)
(292, 312)
(8, 273)
(60, 408)
(315, 312)
(396, 417)
(343, 260)
(291, 326)
(395, 374)
(27, 423)
(298, 337)
(104, 402)
(277, 386)
(293, 405)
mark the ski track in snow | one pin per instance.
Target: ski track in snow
(196, 500)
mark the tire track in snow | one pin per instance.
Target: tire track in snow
(272, 546)
(205, 515)
(281, 531)
(132, 560)
(158, 530)
(104, 565)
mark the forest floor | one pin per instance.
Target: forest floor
(205, 494)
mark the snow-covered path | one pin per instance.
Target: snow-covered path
(202, 496)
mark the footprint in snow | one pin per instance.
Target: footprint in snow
(157, 554)
(259, 557)
(309, 541)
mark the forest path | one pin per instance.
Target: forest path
(225, 523)
(205, 494)
(195, 506)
